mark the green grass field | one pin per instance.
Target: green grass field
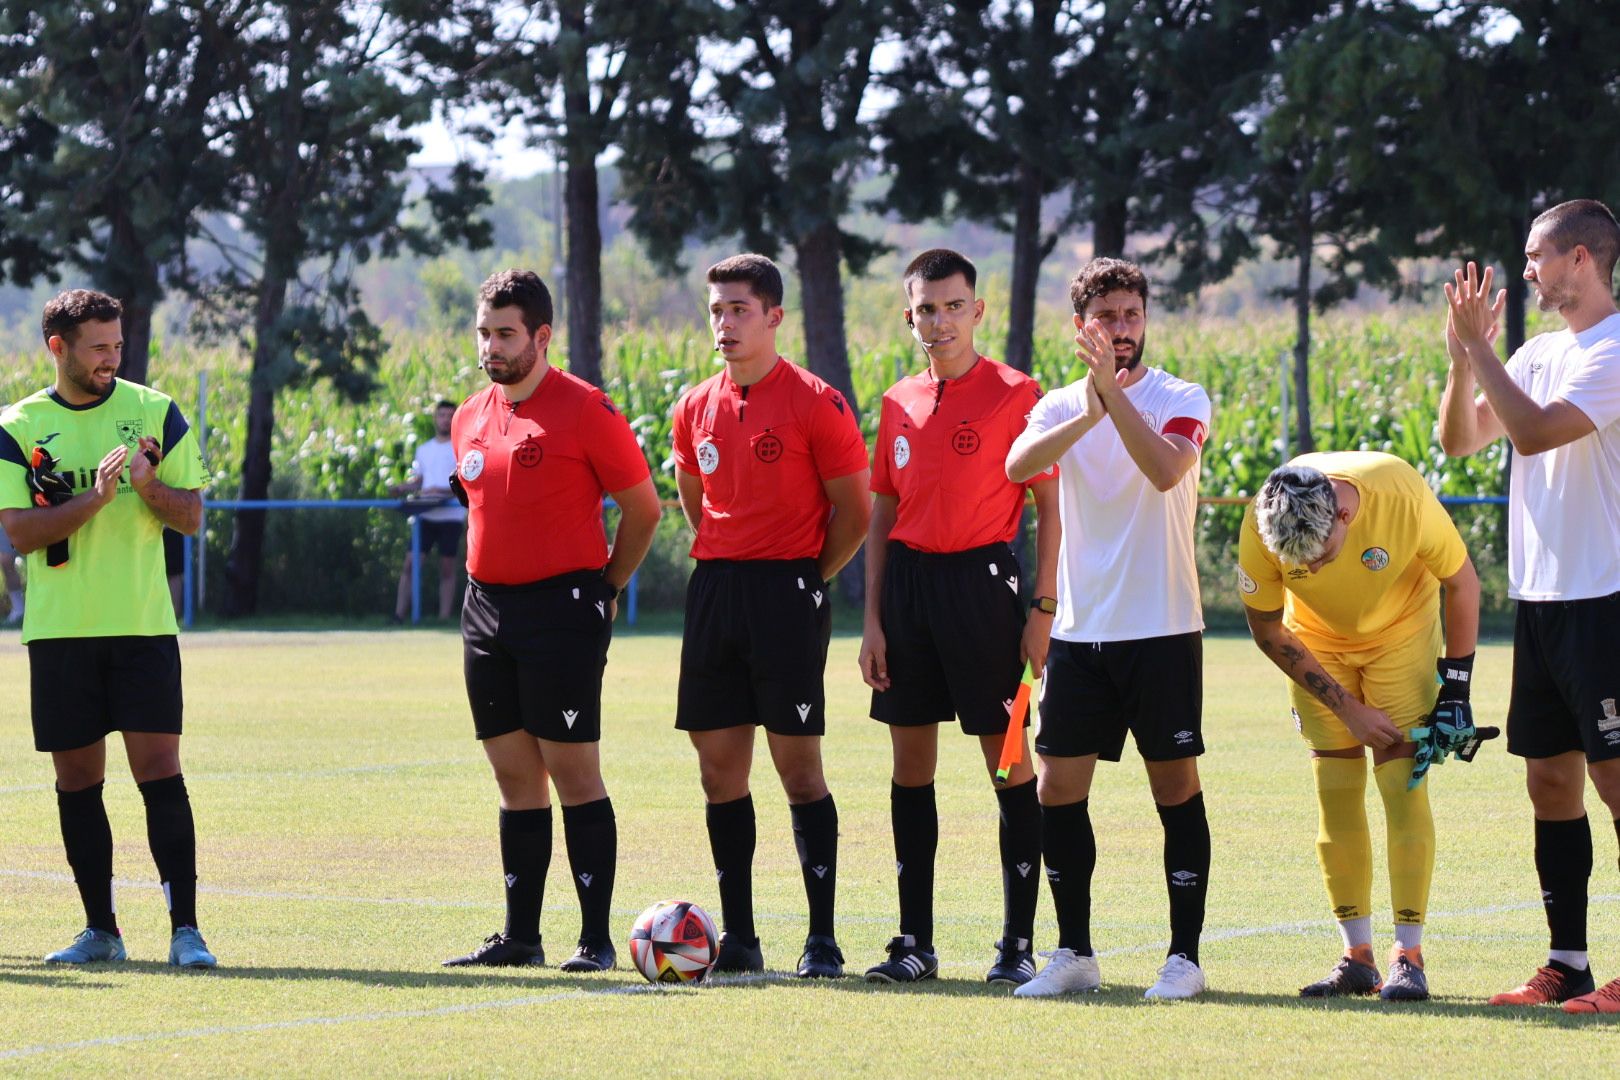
(346, 822)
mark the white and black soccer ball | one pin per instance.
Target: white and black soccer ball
(674, 941)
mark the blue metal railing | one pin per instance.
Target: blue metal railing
(189, 584)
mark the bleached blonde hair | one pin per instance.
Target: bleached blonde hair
(1295, 511)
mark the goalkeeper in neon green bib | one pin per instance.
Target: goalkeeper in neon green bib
(1340, 557)
(91, 470)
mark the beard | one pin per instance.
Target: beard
(1550, 298)
(517, 368)
(1130, 364)
(83, 376)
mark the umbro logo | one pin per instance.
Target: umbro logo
(1408, 913)
(1052, 874)
(1345, 911)
(820, 871)
(1023, 869)
(569, 716)
(816, 596)
(586, 879)
(1184, 736)
(1546, 896)
(1183, 878)
(804, 713)
(511, 880)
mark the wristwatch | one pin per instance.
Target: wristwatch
(1044, 604)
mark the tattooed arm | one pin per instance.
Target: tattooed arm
(1372, 727)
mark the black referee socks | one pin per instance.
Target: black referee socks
(915, 820)
(815, 835)
(731, 841)
(525, 858)
(1564, 864)
(592, 836)
(1071, 855)
(87, 837)
(172, 836)
(1186, 872)
(1020, 860)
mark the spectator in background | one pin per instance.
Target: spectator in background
(431, 469)
(14, 587)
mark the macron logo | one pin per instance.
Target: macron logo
(816, 596)
(1012, 583)
(804, 713)
(601, 609)
(511, 880)
(1023, 869)
(569, 716)
(586, 879)
(820, 871)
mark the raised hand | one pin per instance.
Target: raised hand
(1471, 316)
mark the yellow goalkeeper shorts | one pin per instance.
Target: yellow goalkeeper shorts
(1398, 679)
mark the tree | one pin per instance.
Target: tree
(321, 92)
(108, 152)
(576, 70)
(783, 102)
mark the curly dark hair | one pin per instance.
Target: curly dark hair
(521, 289)
(1104, 275)
(67, 311)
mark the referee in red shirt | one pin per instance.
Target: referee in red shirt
(946, 633)
(535, 454)
(773, 473)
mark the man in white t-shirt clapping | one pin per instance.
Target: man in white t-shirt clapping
(442, 525)
(1127, 644)
(1558, 401)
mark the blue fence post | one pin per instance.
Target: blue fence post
(187, 584)
(630, 605)
(416, 570)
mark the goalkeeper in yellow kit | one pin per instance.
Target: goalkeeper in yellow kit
(1340, 557)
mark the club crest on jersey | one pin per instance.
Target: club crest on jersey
(528, 453)
(1245, 582)
(768, 449)
(1375, 558)
(708, 456)
(965, 441)
(472, 465)
(1611, 720)
(902, 451)
(130, 431)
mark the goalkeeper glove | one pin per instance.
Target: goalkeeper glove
(50, 488)
(1450, 728)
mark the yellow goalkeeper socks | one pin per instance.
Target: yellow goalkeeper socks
(1343, 846)
(1411, 841)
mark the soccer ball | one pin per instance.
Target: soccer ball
(674, 941)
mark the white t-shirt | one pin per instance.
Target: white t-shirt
(435, 461)
(1564, 504)
(1126, 568)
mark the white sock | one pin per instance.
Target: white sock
(1576, 960)
(1408, 936)
(1356, 931)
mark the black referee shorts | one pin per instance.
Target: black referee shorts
(86, 688)
(534, 654)
(1566, 684)
(1094, 692)
(755, 647)
(952, 623)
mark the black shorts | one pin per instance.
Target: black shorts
(952, 623)
(86, 688)
(1566, 683)
(1095, 691)
(755, 647)
(534, 654)
(444, 535)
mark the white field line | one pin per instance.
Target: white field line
(288, 774)
(385, 1016)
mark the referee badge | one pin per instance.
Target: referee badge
(708, 456)
(1375, 558)
(902, 451)
(472, 465)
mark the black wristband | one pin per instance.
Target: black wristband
(1456, 676)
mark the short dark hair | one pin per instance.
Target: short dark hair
(1588, 223)
(67, 311)
(444, 404)
(761, 276)
(937, 264)
(1103, 275)
(521, 289)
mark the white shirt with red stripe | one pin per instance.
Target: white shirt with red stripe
(1126, 569)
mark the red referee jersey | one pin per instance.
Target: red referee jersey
(942, 452)
(535, 476)
(762, 452)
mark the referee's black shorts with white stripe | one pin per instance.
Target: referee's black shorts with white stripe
(1566, 684)
(755, 646)
(534, 654)
(1096, 691)
(952, 623)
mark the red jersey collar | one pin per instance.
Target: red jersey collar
(736, 389)
(980, 363)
